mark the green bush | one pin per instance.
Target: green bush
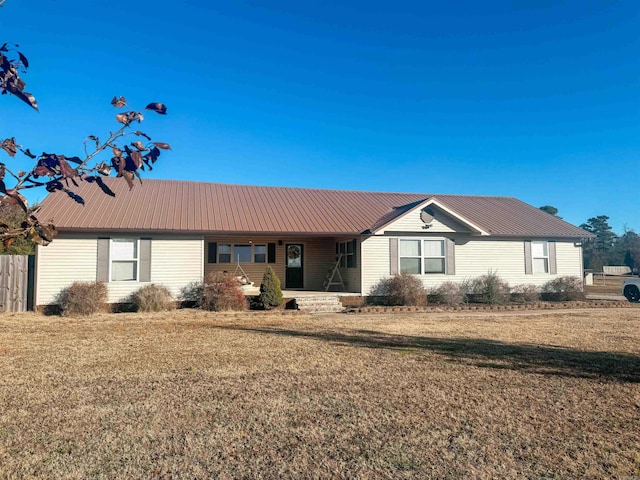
(270, 291)
(192, 293)
(525, 293)
(221, 292)
(403, 289)
(490, 289)
(449, 293)
(152, 298)
(378, 292)
(83, 298)
(563, 289)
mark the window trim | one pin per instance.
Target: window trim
(423, 256)
(547, 257)
(113, 260)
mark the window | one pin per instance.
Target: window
(422, 256)
(540, 257)
(224, 253)
(434, 256)
(348, 252)
(410, 256)
(228, 253)
(242, 253)
(260, 254)
(124, 260)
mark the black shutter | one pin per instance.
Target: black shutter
(212, 253)
(271, 253)
(354, 257)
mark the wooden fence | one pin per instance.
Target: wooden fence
(16, 282)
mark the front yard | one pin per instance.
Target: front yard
(190, 394)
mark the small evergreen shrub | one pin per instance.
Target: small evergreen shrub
(449, 293)
(221, 292)
(563, 289)
(403, 289)
(525, 293)
(490, 289)
(83, 298)
(152, 298)
(192, 293)
(270, 291)
(378, 293)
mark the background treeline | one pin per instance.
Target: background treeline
(608, 248)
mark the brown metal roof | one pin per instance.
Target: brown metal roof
(199, 207)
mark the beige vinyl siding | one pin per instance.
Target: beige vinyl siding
(374, 261)
(411, 222)
(569, 259)
(474, 257)
(66, 260)
(318, 253)
(175, 261)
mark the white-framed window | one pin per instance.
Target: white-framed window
(259, 254)
(540, 257)
(124, 259)
(418, 256)
(347, 252)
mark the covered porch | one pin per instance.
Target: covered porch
(302, 263)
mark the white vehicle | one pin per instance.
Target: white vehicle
(631, 289)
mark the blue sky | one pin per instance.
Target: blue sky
(535, 99)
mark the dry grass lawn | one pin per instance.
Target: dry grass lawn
(190, 394)
(608, 285)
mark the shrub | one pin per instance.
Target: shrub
(152, 298)
(378, 293)
(402, 289)
(83, 298)
(526, 293)
(491, 289)
(270, 291)
(563, 289)
(221, 292)
(449, 293)
(192, 293)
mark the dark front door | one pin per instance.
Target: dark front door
(294, 277)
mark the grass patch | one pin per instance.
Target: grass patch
(192, 394)
(607, 285)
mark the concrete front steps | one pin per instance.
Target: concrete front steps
(323, 303)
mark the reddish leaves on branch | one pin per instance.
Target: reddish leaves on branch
(54, 171)
(10, 81)
(59, 172)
